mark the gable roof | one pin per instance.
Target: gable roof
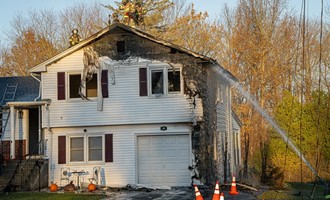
(42, 67)
(27, 88)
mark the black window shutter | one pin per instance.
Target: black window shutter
(104, 83)
(108, 147)
(143, 82)
(61, 150)
(60, 85)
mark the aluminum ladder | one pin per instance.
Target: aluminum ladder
(8, 95)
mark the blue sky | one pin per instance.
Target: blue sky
(10, 8)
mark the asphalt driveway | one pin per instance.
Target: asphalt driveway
(172, 194)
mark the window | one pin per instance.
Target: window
(94, 148)
(74, 80)
(86, 148)
(164, 80)
(121, 46)
(77, 149)
(73, 85)
(157, 82)
(92, 145)
(236, 148)
(91, 87)
(174, 81)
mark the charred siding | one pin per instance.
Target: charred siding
(194, 69)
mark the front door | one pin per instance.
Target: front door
(33, 130)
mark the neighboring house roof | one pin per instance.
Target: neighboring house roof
(42, 67)
(27, 88)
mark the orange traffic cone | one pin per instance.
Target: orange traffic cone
(222, 196)
(197, 193)
(216, 195)
(233, 190)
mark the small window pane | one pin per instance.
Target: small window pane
(174, 81)
(74, 80)
(95, 148)
(91, 87)
(121, 46)
(157, 82)
(77, 149)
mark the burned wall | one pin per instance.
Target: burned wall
(120, 44)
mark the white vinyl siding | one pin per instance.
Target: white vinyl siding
(124, 105)
(123, 169)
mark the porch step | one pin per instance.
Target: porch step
(26, 169)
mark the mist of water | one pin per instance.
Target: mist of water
(220, 71)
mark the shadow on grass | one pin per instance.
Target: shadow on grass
(295, 191)
(50, 196)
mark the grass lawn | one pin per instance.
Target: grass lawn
(292, 190)
(49, 196)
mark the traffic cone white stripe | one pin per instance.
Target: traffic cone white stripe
(222, 197)
(216, 194)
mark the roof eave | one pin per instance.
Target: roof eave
(42, 67)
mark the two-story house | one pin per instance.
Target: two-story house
(125, 107)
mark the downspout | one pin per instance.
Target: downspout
(39, 113)
(50, 154)
(12, 132)
(39, 86)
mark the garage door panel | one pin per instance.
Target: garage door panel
(169, 158)
(170, 153)
(157, 153)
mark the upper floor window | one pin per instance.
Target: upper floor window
(90, 87)
(74, 82)
(160, 80)
(157, 81)
(174, 80)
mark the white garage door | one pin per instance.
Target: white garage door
(164, 160)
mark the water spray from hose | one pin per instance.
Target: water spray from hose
(220, 71)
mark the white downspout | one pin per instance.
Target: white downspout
(50, 153)
(39, 86)
(39, 112)
(12, 132)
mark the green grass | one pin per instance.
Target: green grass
(291, 191)
(50, 196)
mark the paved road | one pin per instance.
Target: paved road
(176, 194)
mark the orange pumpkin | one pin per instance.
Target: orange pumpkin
(53, 187)
(91, 187)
